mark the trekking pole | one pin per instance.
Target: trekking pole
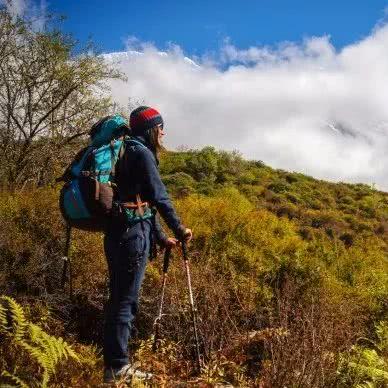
(67, 263)
(193, 309)
(166, 262)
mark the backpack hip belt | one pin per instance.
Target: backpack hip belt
(138, 205)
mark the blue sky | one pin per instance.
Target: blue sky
(296, 84)
(201, 26)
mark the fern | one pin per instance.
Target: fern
(366, 385)
(20, 383)
(13, 312)
(3, 320)
(382, 335)
(368, 366)
(48, 351)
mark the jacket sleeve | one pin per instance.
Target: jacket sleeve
(157, 194)
(160, 236)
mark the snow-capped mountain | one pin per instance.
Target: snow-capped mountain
(122, 56)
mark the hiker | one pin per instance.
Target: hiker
(128, 244)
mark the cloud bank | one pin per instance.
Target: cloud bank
(301, 107)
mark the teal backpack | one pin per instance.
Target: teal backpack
(88, 194)
(88, 197)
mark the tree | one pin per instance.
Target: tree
(48, 99)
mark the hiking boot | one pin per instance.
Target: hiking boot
(126, 373)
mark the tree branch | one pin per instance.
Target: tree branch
(55, 107)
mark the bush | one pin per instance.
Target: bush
(272, 278)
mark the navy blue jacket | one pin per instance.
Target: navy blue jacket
(138, 173)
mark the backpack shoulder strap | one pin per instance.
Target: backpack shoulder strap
(116, 162)
(134, 142)
(116, 158)
(122, 150)
(127, 143)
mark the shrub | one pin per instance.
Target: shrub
(180, 184)
(267, 284)
(278, 187)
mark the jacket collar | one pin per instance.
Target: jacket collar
(142, 140)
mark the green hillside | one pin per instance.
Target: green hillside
(290, 277)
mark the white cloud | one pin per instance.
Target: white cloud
(303, 107)
(15, 7)
(35, 11)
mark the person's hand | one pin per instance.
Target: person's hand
(171, 242)
(188, 235)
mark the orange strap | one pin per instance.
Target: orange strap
(139, 205)
(133, 205)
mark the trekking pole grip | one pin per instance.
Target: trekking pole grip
(184, 250)
(166, 260)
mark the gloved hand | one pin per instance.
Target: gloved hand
(188, 235)
(170, 242)
(184, 234)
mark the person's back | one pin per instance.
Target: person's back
(129, 237)
(139, 175)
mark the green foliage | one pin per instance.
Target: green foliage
(182, 183)
(203, 165)
(339, 209)
(365, 366)
(273, 252)
(47, 351)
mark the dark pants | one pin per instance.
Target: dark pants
(126, 252)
